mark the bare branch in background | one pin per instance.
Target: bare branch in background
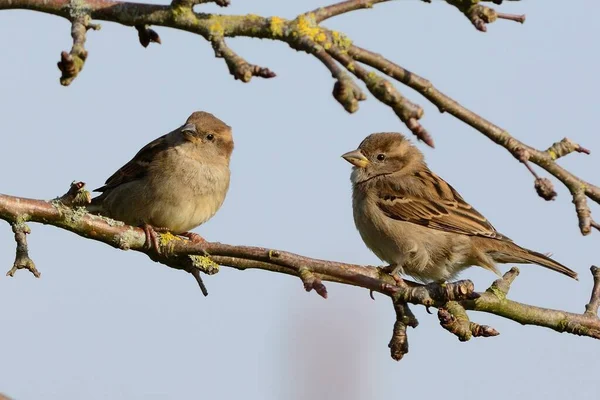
(338, 53)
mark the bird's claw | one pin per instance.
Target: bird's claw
(152, 240)
(393, 271)
(194, 237)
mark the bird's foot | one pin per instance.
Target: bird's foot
(394, 271)
(194, 237)
(152, 241)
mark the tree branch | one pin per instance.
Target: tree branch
(580, 189)
(454, 298)
(304, 33)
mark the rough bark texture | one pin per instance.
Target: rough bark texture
(452, 299)
(347, 63)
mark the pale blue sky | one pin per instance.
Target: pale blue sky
(103, 323)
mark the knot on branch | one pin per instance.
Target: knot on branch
(564, 147)
(545, 189)
(543, 186)
(455, 291)
(480, 16)
(434, 293)
(312, 282)
(347, 93)
(22, 259)
(146, 35)
(453, 318)
(76, 196)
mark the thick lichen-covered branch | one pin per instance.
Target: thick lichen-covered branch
(456, 297)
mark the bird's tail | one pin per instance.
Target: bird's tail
(519, 254)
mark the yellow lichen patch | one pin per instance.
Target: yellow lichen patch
(307, 27)
(277, 26)
(204, 264)
(340, 40)
(216, 28)
(497, 292)
(553, 154)
(183, 12)
(320, 37)
(165, 238)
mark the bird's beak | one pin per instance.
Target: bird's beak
(188, 131)
(357, 158)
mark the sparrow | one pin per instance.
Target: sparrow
(419, 224)
(174, 183)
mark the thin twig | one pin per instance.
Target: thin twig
(71, 63)
(238, 67)
(453, 318)
(591, 308)
(345, 90)
(22, 259)
(323, 13)
(399, 342)
(511, 17)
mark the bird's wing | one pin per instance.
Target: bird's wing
(137, 167)
(430, 201)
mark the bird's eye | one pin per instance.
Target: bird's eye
(210, 136)
(381, 157)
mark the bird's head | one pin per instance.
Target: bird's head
(211, 135)
(383, 154)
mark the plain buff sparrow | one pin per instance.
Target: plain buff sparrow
(174, 183)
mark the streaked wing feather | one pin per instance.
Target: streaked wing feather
(136, 167)
(448, 211)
